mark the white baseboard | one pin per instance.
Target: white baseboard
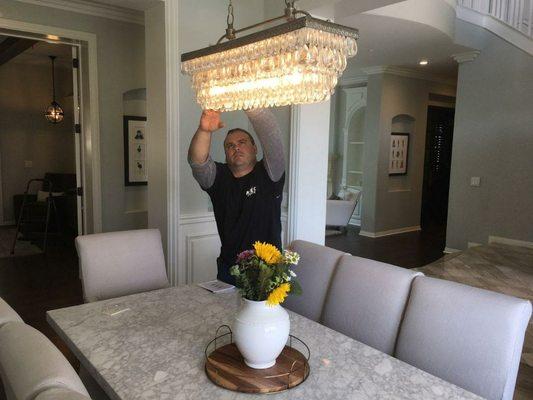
(450, 250)
(511, 242)
(390, 232)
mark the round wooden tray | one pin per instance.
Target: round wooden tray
(225, 367)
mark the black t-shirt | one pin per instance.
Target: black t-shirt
(247, 209)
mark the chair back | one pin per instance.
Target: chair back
(7, 314)
(467, 336)
(367, 300)
(31, 364)
(314, 272)
(61, 394)
(120, 263)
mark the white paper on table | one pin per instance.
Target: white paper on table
(217, 286)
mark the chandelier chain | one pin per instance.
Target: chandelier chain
(230, 17)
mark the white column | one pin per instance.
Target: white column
(308, 167)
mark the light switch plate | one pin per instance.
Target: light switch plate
(475, 181)
(28, 164)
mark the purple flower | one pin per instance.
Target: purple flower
(245, 255)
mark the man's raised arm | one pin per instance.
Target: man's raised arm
(203, 167)
(269, 134)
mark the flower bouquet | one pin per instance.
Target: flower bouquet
(264, 277)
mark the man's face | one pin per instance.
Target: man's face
(239, 150)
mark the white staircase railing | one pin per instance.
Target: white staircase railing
(517, 14)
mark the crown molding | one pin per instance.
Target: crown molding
(466, 56)
(353, 80)
(95, 9)
(408, 73)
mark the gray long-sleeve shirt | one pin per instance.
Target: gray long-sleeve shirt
(269, 134)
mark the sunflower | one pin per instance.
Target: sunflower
(267, 252)
(278, 295)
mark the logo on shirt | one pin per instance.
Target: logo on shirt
(250, 191)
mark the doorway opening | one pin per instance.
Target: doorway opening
(41, 166)
(437, 164)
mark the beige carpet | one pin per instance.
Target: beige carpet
(500, 268)
(23, 248)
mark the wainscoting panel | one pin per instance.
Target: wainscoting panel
(200, 246)
(202, 252)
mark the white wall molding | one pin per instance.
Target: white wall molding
(292, 228)
(95, 9)
(467, 56)
(407, 73)
(390, 232)
(510, 242)
(198, 270)
(176, 269)
(450, 250)
(506, 32)
(191, 219)
(353, 80)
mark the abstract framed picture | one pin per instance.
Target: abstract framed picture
(398, 153)
(135, 151)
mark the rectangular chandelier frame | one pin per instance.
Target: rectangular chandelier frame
(299, 23)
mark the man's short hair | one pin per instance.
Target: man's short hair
(240, 130)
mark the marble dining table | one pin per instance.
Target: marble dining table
(151, 346)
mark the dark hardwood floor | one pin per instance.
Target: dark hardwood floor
(35, 284)
(408, 250)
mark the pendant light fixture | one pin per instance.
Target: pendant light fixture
(54, 113)
(296, 62)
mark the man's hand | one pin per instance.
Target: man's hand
(210, 121)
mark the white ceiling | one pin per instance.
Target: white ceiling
(389, 41)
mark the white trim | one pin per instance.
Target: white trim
(189, 240)
(510, 242)
(494, 25)
(450, 250)
(92, 76)
(191, 219)
(408, 73)
(390, 232)
(135, 211)
(95, 9)
(294, 162)
(467, 56)
(354, 80)
(176, 272)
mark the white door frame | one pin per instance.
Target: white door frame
(91, 130)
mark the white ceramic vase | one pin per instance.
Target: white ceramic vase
(260, 332)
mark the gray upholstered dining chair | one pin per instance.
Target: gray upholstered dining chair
(467, 336)
(315, 269)
(60, 394)
(366, 301)
(30, 364)
(7, 314)
(120, 263)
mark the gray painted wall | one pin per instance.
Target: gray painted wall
(493, 139)
(393, 202)
(25, 135)
(120, 68)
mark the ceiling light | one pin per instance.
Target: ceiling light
(54, 113)
(296, 62)
(423, 62)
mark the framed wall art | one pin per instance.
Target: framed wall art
(398, 153)
(135, 151)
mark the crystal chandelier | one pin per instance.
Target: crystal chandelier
(54, 113)
(296, 62)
